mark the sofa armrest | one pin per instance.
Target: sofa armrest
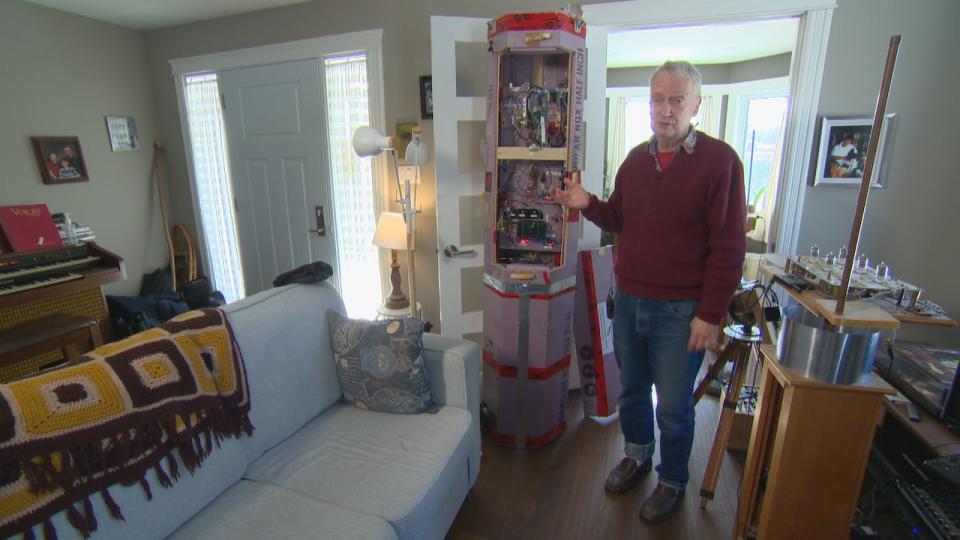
(453, 366)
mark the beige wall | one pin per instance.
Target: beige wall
(767, 67)
(406, 44)
(913, 223)
(60, 75)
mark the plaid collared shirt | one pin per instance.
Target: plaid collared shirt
(689, 146)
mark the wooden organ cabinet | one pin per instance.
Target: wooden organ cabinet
(64, 280)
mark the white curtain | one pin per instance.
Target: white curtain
(765, 206)
(348, 107)
(205, 124)
(708, 119)
(616, 141)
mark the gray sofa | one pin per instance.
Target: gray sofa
(316, 467)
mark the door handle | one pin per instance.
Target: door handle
(321, 229)
(453, 251)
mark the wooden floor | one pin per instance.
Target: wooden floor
(557, 492)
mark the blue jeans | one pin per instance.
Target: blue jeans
(650, 340)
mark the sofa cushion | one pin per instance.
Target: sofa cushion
(411, 470)
(256, 510)
(282, 333)
(380, 363)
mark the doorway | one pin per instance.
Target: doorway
(745, 94)
(268, 149)
(806, 72)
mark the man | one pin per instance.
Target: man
(679, 207)
(844, 158)
(72, 159)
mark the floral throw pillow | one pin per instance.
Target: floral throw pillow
(380, 363)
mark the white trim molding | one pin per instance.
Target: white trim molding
(651, 13)
(806, 69)
(303, 49)
(806, 74)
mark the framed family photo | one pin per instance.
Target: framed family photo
(842, 154)
(426, 96)
(60, 159)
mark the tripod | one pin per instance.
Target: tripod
(742, 342)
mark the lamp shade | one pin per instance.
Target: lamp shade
(391, 231)
(369, 141)
(416, 152)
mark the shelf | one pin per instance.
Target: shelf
(537, 154)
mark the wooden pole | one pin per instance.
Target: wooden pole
(158, 170)
(868, 171)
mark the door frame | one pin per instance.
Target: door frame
(806, 75)
(367, 41)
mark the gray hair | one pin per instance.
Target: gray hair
(681, 67)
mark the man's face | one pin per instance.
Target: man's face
(673, 102)
(67, 151)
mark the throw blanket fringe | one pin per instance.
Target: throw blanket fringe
(111, 416)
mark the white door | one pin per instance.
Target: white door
(275, 124)
(458, 125)
(458, 121)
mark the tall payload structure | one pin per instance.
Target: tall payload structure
(534, 144)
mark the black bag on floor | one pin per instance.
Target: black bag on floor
(132, 314)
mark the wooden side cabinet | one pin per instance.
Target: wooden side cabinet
(807, 454)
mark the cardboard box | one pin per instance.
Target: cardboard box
(593, 332)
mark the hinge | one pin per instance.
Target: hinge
(223, 101)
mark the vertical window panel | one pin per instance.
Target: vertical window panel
(215, 198)
(352, 184)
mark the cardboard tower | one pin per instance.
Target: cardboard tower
(534, 143)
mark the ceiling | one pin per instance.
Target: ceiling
(709, 44)
(150, 14)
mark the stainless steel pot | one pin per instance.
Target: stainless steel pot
(811, 346)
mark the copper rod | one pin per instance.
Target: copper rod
(868, 171)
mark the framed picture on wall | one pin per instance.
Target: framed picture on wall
(60, 159)
(426, 96)
(842, 155)
(122, 132)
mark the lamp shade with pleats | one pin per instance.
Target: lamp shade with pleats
(369, 141)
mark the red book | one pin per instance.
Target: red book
(29, 227)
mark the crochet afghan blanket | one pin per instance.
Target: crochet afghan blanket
(114, 414)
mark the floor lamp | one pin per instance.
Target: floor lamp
(369, 141)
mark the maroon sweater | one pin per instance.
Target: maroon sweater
(681, 230)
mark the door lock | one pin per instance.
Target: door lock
(321, 229)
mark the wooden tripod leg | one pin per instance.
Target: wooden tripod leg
(728, 353)
(730, 401)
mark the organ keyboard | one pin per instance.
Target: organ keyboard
(41, 274)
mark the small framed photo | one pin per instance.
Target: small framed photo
(122, 132)
(426, 96)
(844, 143)
(60, 159)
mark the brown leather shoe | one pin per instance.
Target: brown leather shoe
(626, 475)
(661, 504)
